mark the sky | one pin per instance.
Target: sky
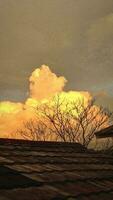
(73, 37)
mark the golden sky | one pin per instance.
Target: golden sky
(73, 37)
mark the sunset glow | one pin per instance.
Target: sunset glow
(44, 87)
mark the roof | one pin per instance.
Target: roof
(53, 171)
(104, 133)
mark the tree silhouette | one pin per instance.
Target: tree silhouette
(74, 121)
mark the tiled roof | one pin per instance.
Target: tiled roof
(104, 133)
(53, 171)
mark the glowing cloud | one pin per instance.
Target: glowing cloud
(7, 107)
(45, 84)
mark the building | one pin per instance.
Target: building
(105, 133)
(53, 171)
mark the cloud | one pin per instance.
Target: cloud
(45, 84)
(104, 99)
(100, 39)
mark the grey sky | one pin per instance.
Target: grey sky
(73, 37)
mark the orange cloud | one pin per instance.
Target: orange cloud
(44, 85)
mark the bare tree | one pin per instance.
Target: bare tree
(75, 121)
(33, 130)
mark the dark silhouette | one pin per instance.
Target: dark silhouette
(68, 122)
